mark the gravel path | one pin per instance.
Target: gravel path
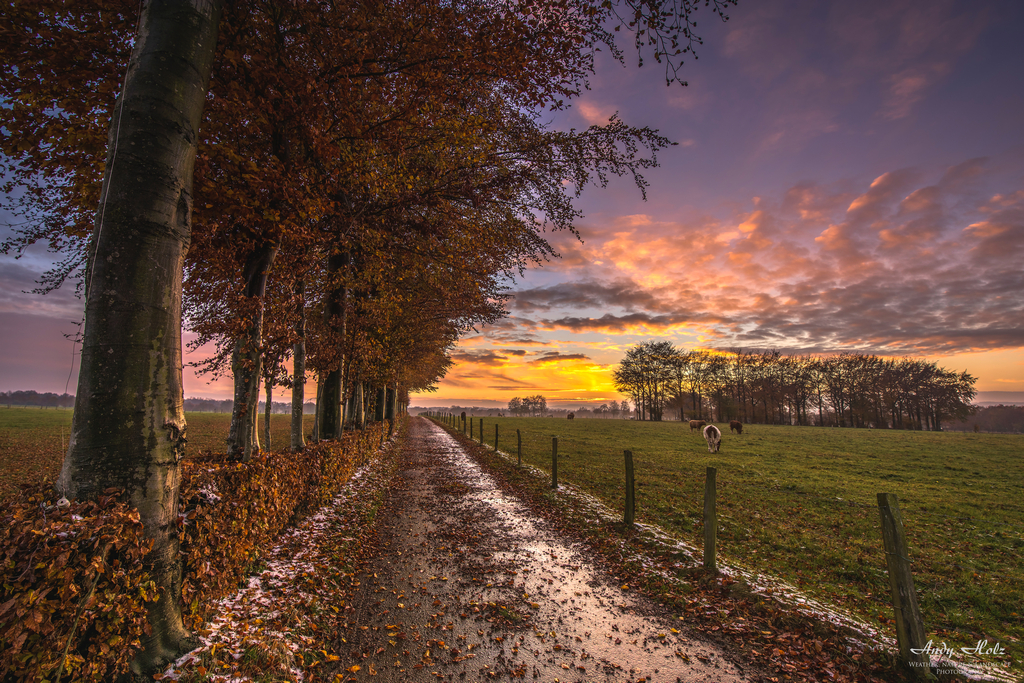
(469, 585)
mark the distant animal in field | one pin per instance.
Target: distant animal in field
(736, 426)
(714, 438)
(463, 415)
(570, 416)
(696, 424)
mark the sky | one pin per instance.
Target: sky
(848, 177)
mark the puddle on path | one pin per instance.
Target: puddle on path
(470, 586)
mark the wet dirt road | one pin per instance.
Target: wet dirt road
(470, 586)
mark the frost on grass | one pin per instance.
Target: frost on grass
(273, 623)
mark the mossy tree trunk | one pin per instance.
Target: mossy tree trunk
(129, 427)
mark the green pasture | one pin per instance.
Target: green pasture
(33, 441)
(800, 503)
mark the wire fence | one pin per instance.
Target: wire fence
(811, 516)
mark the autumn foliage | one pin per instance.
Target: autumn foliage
(233, 510)
(72, 585)
(72, 579)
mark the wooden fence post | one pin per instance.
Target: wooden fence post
(519, 449)
(481, 431)
(710, 521)
(630, 514)
(495, 437)
(910, 634)
(554, 462)
(470, 421)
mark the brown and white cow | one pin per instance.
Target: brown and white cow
(696, 424)
(736, 426)
(713, 436)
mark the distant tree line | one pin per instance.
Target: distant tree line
(192, 405)
(34, 398)
(769, 387)
(213, 405)
(531, 405)
(992, 419)
(471, 411)
(605, 410)
(539, 408)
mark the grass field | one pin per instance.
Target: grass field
(794, 502)
(33, 441)
(799, 503)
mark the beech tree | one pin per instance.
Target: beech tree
(129, 430)
(272, 178)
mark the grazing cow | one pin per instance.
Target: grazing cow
(463, 415)
(713, 437)
(696, 424)
(570, 416)
(736, 426)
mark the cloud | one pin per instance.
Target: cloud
(558, 357)
(487, 357)
(594, 114)
(16, 285)
(915, 261)
(586, 294)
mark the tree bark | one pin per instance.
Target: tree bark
(359, 407)
(316, 413)
(267, 410)
(329, 408)
(129, 426)
(298, 442)
(378, 406)
(247, 357)
(390, 408)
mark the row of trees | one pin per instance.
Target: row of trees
(366, 179)
(34, 398)
(530, 405)
(845, 390)
(614, 409)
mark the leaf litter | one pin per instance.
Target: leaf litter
(283, 619)
(437, 573)
(469, 584)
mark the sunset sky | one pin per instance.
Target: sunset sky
(849, 177)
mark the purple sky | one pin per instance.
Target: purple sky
(850, 176)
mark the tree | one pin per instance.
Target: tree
(645, 373)
(624, 408)
(129, 427)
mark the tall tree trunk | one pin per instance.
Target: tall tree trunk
(298, 442)
(316, 413)
(329, 408)
(378, 406)
(359, 414)
(247, 356)
(129, 426)
(391, 402)
(268, 409)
